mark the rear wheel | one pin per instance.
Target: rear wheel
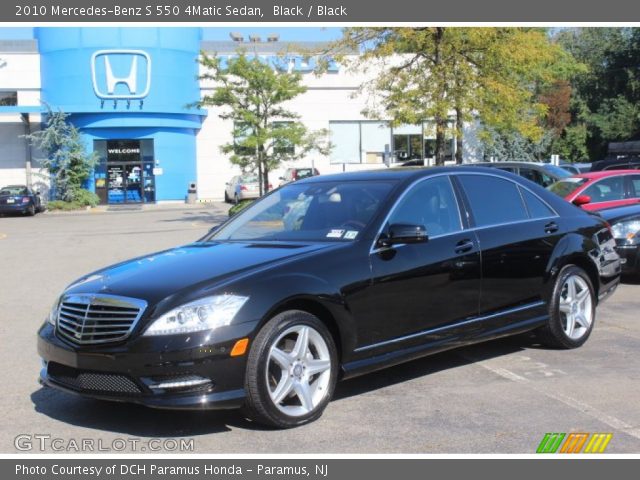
(226, 197)
(572, 310)
(31, 211)
(291, 371)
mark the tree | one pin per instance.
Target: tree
(430, 73)
(252, 94)
(66, 156)
(605, 97)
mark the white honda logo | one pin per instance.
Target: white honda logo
(105, 81)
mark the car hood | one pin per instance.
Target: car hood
(160, 275)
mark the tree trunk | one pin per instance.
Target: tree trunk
(440, 120)
(260, 174)
(459, 135)
(264, 169)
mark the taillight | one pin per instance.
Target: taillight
(243, 187)
(25, 199)
(294, 174)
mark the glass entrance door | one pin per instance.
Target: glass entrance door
(124, 183)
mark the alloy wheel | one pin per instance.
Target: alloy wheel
(576, 307)
(298, 370)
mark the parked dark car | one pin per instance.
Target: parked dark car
(543, 174)
(370, 269)
(576, 168)
(625, 225)
(628, 163)
(20, 199)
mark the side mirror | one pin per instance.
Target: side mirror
(399, 233)
(280, 178)
(581, 200)
(37, 192)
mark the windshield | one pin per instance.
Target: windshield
(322, 211)
(13, 191)
(557, 171)
(304, 173)
(566, 186)
(249, 179)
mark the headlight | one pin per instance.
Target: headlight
(626, 230)
(53, 314)
(204, 314)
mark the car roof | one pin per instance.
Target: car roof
(511, 164)
(396, 173)
(606, 173)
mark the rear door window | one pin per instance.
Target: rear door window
(493, 200)
(536, 207)
(634, 180)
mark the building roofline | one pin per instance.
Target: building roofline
(19, 46)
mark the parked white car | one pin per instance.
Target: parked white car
(242, 187)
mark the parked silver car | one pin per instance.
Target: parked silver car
(242, 187)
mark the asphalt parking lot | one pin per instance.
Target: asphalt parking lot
(500, 397)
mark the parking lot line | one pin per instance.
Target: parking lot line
(571, 402)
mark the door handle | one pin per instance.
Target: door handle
(551, 227)
(463, 246)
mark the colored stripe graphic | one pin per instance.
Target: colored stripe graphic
(574, 442)
(550, 442)
(598, 443)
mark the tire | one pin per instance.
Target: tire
(226, 197)
(308, 393)
(31, 211)
(557, 333)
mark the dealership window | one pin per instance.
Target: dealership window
(283, 147)
(367, 141)
(240, 134)
(8, 98)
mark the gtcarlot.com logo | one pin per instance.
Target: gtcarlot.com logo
(48, 443)
(574, 443)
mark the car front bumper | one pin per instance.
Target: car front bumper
(149, 370)
(630, 255)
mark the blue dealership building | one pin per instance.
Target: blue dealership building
(132, 93)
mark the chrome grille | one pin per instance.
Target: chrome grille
(86, 319)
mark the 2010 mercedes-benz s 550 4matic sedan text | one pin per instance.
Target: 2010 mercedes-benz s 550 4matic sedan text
(327, 278)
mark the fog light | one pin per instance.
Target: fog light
(181, 383)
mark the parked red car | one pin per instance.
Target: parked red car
(600, 190)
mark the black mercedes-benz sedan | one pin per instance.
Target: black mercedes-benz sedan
(327, 278)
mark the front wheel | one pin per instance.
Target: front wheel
(572, 311)
(291, 370)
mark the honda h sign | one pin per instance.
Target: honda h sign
(121, 74)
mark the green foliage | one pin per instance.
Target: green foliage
(239, 207)
(66, 157)
(252, 94)
(85, 198)
(606, 96)
(495, 73)
(81, 200)
(514, 146)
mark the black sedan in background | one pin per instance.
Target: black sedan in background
(20, 199)
(544, 174)
(327, 278)
(625, 225)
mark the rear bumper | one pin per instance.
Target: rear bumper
(244, 195)
(15, 208)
